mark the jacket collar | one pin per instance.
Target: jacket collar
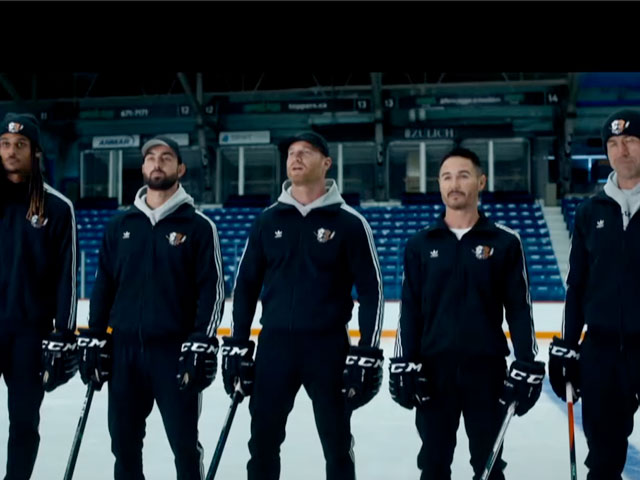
(332, 197)
(483, 223)
(179, 198)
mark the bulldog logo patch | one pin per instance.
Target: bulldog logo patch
(482, 252)
(323, 235)
(38, 222)
(619, 126)
(176, 238)
(15, 127)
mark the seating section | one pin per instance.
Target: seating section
(233, 225)
(391, 225)
(91, 225)
(569, 205)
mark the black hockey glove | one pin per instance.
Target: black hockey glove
(95, 349)
(59, 359)
(408, 384)
(523, 385)
(198, 362)
(362, 375)
(564, 367)
(237, 365)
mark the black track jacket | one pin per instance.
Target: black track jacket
(159, 272)
(37, 262)
(603, 283)
(308, 259)
(454, 291)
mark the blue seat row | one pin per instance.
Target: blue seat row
(91, 226)
(106, 213)
(547, 292)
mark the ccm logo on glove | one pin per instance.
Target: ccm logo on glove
(532, 378)
(242, 351)
(408, 367)
(199, 347)
(564, 352)
(86, 342)
(54, 346)
(364, 361)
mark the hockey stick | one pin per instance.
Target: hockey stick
(572, 444)
(496, 446)
(217, 455)
(75, 448)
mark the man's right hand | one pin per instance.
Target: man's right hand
(564, 367)
(237, 365)
(408, 383)
(95, 348)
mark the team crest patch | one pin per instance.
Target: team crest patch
(38, 222)
(176, 238)
(482, 252)
(15, 127)
(619, 126)
(323, 235)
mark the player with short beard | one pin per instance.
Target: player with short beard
(160, 289)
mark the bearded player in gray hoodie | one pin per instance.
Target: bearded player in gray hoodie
(160, 290)
(602, 292)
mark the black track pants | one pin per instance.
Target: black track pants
(610, 381)
(284, 362)
(142, 374)
(470, 387)
(21, 363)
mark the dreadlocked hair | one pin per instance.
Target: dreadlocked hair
(36, 188)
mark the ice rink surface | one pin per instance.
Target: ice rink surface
(386, 441)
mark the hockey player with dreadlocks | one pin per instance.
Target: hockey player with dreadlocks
(38, 283)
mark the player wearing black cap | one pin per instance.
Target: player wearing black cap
(160, 289)
(602, 291)
(459, 275)
(305, 253)
(38, 284)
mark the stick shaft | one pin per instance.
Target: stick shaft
(498, 443)
(572, 444)
(77, 439)
(217, 455)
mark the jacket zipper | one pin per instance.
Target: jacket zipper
(620, 289)
(293, 291)
(142, 317)
(458, 285)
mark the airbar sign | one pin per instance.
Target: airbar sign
(116, 141)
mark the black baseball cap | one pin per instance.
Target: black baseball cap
(22, 124)
(313, 138)
(622, 122)
(162, 140)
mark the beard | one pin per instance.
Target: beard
(162, 183)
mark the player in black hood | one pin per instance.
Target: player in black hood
(602, 292)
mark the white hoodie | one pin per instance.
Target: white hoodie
(629, 200)
(330, 197)
(164, 210)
